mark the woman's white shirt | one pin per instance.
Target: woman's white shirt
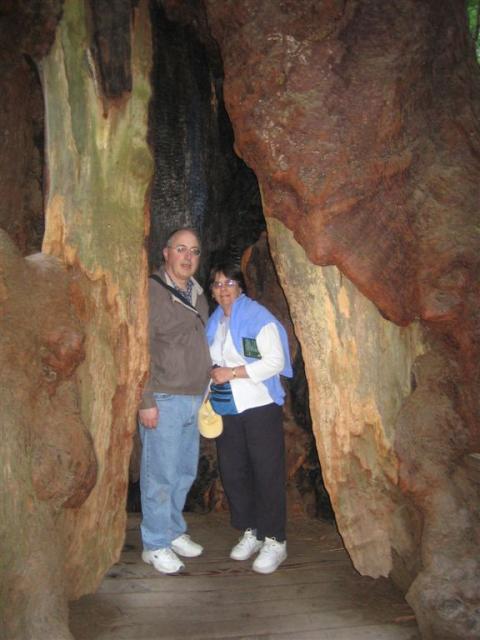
(249, 392)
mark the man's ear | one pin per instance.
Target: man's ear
(165, 253)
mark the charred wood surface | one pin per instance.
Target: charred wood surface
(198, 180)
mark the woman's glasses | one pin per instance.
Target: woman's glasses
(218, 284)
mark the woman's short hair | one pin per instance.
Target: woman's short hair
(231, 271)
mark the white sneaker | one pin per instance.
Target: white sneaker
(185, 546)
(271, 556)
(164, 560)
(246, 547)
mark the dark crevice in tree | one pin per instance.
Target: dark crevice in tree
(111, 45)
(37, 176)
(27, 32)
(310, 474)
(198, 180)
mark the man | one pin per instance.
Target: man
(179, 374)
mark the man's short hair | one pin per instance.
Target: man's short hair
(168, 242)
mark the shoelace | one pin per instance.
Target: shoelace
(271, 543)
(247, 537)
(167, 552)
(184, 537)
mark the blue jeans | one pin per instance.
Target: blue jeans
(168, 468)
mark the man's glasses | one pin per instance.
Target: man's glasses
(183, 250)
(226, 283)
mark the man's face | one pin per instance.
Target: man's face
(181, 265)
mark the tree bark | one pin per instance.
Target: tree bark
(99, 170)
(73, 326)
(361, 122)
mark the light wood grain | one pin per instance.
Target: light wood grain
(315, 594)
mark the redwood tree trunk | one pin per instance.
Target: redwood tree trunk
(73, 323)
(99, 169)
(361, 122)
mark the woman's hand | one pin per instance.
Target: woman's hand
(220, 375)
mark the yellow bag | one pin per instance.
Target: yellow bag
(210, 424)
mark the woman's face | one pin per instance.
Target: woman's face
(225, 291)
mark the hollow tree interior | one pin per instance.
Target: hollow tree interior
(333, 149)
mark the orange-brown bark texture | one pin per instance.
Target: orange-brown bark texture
(48, 461)
(361, 122)
(52, 318)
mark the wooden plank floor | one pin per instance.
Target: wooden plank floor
(315, 594)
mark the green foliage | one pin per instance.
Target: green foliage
(473, 13)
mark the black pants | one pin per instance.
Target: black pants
(251, 456)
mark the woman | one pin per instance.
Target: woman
(249, 349)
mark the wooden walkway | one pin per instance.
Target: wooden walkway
(315, 594)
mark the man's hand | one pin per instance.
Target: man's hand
(149, 417)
